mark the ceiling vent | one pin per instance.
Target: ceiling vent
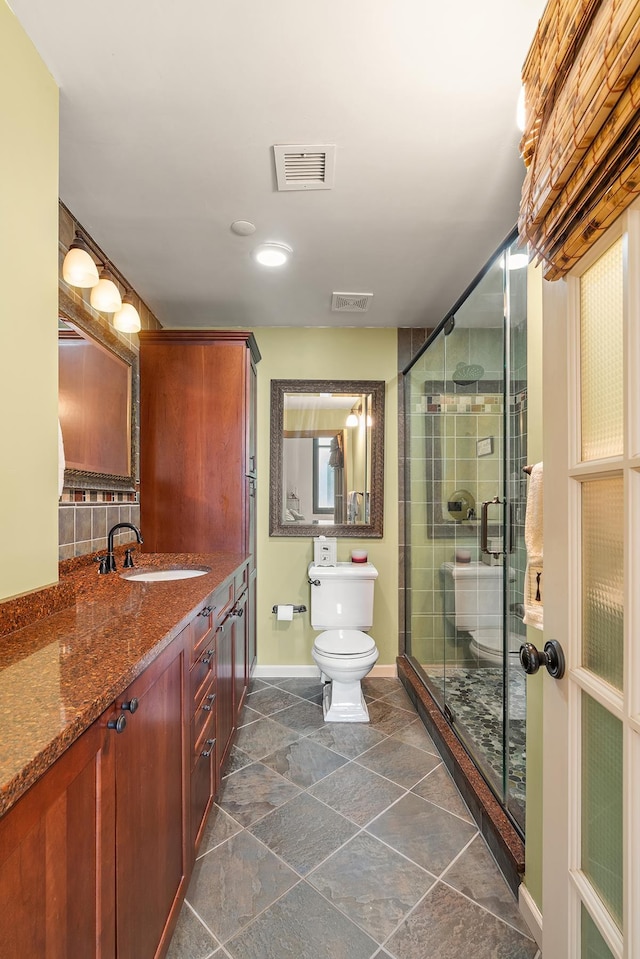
(303, 167)
(350, 302)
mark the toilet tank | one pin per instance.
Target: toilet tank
(344, 596)
(472, 595)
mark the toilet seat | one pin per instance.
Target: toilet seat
(489, 642)
(350, 643)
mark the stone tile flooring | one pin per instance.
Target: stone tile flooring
(343, 841)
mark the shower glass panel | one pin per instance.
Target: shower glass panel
(465, 446)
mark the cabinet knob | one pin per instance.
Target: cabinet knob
(207, 752)
(119, 724)
(131, 706)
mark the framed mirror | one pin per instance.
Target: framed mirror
(97, 402)
(327, 458)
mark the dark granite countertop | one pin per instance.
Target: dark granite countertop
(60, 673)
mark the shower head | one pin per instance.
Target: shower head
(467, 373)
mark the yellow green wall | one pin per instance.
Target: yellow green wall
(533, 842)
(341, 354)
(28, 327)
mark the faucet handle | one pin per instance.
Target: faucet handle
(104, 563)
(128, 558)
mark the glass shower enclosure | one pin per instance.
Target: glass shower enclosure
(465, 422)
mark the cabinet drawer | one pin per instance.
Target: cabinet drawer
(202, 671)
(242, 579)
(203, 780)
(203, 711)
(223, 600)
(201, 625)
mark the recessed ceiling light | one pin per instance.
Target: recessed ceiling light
(272, 254)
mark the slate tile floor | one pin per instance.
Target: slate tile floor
(343, 841)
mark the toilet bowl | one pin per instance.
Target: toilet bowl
(342, 607)
(487, 646)
(344, 657)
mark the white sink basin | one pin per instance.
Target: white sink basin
(164, 575)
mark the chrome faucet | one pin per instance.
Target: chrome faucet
(109, 561)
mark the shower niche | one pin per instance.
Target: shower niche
(465, 436)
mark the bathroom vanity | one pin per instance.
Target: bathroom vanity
(110, 762)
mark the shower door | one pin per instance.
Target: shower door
(465, 445)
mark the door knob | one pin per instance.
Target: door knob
(552, 657)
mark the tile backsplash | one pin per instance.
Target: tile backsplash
(83, 524)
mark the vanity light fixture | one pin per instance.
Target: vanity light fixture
(127, 319)
(352, 418)
(105, 296)
(272, 254)
(79, 268)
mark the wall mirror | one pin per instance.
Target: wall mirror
(327, 458)
(97, 402)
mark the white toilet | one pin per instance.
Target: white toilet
(342, 606)
(473, 604)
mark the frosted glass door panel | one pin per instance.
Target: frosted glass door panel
(592, 943)
(602, 578)
(601, 319)
(601, 814)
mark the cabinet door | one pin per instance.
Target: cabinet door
(240, 634)
(57, 896)
(225, 719)
(251, 624)
(150, 768)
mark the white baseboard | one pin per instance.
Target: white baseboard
(267, 672)
(530, 913)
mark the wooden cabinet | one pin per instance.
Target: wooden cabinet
(96, 856)
(57, 893)
(201, 719)
(197, 450)
(150, 859)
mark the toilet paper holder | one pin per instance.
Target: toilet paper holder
(296, 609)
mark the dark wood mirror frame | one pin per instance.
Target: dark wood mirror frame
(72, 312)
(376, 388)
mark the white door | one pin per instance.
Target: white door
(591, 787)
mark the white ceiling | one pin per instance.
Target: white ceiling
(169, 110)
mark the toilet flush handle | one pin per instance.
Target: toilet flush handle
(313, 582)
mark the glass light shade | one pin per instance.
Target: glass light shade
(272, 254)
(79, 268)
(105, 296)
(352, 420)
(127, 320)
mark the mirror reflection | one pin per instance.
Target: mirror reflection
(97, 400)
(327, 458)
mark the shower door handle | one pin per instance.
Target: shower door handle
(552, 656)
(484, 525)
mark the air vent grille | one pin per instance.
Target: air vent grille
(300, 166)
(350, 302)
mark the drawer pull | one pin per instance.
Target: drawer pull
(207, 752)
(206, 659)
(208, 706)
(206, 611)
(132, 705)
(119, 724)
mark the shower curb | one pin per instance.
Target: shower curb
(501, 836)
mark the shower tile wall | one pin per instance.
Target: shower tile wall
(445, 423)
